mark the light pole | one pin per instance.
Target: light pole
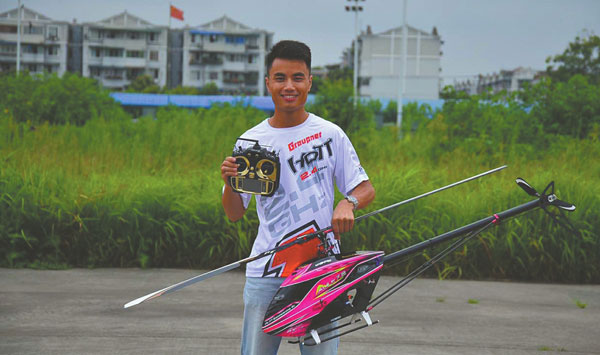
(19, 38)
(355, 8)
(402, 76)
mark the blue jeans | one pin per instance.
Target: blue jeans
(258, 293)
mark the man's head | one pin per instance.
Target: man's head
(288, 76)
(291, 50)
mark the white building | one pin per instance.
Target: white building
(43, 42)
(381, 62)
(120, 48)
(227, 53)
(508, 80)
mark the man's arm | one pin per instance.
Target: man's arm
(231, 200)
(343, 215)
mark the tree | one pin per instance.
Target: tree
(581, 57)
(183, 90)
(143, 84)
(335, 102)
(209, 89)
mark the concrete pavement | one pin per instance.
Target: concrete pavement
(81, 311)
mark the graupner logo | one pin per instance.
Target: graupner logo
(307, 158)
(294, 145)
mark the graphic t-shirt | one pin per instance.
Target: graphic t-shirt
(313, 156)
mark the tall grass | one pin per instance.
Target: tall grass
(147, 194)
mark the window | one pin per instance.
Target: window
(53, 32)
(154, 55)
(33, 30)
(135, 54)
(96, 52)
(8, 48)
(52, 50)
(28, 48)
(235, 40)
(115, 52)
(198, 75)
(251, 58)
(214, 76)
(32, 68)
(134, 35)
(213, 38)
(8, 29)
(152, 36)
(49, 68)
(155, 73)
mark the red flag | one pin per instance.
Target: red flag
(176, 13)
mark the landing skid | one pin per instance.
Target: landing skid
(315, 338)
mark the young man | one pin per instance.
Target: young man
(314, 154)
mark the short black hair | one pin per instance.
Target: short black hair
(292, 50)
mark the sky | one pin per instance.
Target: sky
(480, 36)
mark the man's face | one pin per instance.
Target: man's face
(289, 83)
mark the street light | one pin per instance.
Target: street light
(356, 9)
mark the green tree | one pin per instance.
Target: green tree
(183, 90)
(209, 89)
(143, 84)
(317, 82)
(335, 103)
(568, 108)
(48, 98)
(581, 57)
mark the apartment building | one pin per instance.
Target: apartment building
(507, 80)
(381, 64)
(43, 42)
(120, 48)
(227, 53)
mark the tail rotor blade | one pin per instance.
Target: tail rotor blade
(564, 205)
(526, 187)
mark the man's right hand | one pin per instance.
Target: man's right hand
(232, 202)
(228, 168)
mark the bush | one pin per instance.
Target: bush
(48, 98)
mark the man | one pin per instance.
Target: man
(314, 154)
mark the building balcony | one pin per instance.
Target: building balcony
(25, 38)
(224, 47)
(113, 82)
(128, 43)
(33, 57)
(234, 66)
(12, 56)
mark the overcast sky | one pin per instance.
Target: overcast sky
(479, 36)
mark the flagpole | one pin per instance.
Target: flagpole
(170, 15)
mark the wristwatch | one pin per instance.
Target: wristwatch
(353, 201)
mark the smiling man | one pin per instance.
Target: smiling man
(315, 155)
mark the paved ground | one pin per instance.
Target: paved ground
(80, 312)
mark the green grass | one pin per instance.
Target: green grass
(472, 301)
(148, 194)
(580, 304)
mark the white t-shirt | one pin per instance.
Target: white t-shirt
(313, 156)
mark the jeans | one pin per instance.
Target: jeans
(258, 293)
